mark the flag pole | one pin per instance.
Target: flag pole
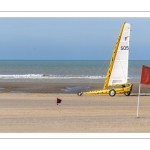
(139, 93)
(138, 101)
(144, 79)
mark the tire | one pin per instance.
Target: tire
(79, 93)
(112, 92)
(127, 93)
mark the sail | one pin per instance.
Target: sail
(119, 74)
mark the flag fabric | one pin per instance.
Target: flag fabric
(58, 101)
(145, 79)
(145, 75)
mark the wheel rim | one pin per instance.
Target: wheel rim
(80, 93)
(112, 93)
(127, 93)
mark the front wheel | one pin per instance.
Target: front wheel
(112, 92)
(79, 93)
(127, 93)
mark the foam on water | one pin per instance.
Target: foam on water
(43, 76)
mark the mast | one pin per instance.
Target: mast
(113, 57)
(117, 72)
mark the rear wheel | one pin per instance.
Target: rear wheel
(112, 92)
(79, 93)
(127, 93)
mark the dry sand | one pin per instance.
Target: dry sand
(89, 113)
(37, 112)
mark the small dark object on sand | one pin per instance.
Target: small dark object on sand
(58, 101)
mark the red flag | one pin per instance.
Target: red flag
(58, 101)
(145, 75)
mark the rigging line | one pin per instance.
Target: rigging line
(101, 69)
(98, 71)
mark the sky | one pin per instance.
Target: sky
(70, 38)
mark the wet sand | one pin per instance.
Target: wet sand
(35, 110)
(58, 87)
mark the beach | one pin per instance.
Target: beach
(30, 107)
(60, 86)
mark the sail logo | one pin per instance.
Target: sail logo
(124, 47)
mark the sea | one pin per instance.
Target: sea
(60, 70)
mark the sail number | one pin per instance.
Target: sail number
(124, 48)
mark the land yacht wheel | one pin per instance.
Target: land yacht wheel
(127, 93)
(112, 92)
(79, 93)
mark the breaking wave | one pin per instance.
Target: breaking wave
(47, 76)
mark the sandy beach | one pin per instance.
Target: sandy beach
(35, 110)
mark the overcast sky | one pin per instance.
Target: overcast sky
(70, 38)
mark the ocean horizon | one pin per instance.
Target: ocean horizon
(62, 69)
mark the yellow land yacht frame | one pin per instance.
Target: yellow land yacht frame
(115, 88)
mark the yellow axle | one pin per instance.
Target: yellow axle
(119, 89)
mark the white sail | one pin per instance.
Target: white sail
(119, 74)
